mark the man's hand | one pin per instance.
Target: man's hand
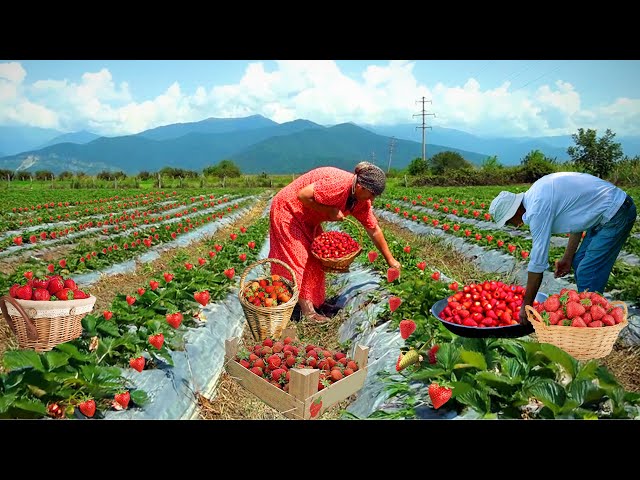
(523, 316)
(563, 267)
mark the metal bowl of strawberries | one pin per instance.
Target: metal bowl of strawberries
(487, 309)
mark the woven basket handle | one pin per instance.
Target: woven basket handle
(532, 314)
(346, 219)
(32, 331)
(270, 260)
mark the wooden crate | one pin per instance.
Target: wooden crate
(303, 384)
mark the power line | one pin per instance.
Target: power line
(423, 113)
(392, 143)
(538, 78)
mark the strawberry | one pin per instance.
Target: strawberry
(229, 273)
(88, 408)
(608, 320)
(13, 290)
(121, 400)
(51, 267)
(394, 303)
(277, 373)
(421, 265)
(315, 407)
(407, 327)
(439, 395)
(597, 312)
(435, 276)
(69, 283)
(454, 286)
(575, 309)
(28, 275)
(409, 358)
(62, 263)
(618, 314)
(407, 249)
(24, 292)
(202, 297)
(156, 340)
(107, 314)
(41, 294)
(552, 303)
(432, 354)
(153, 284)
(578, 322)
(392, 274)
(131, 300)
(257, 371)
(137, 363)
(174, 319)
(167, 277)
(372, 256)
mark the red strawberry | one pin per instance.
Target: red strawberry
(552, 303)
(24, 292)
(167, 277)
(435, 276)
(618, 314)
(257, 371)
(229, 273)
(407, 249)
(394, 303)
(439, 395)
(88, 408)
(131, 300)
(575, 309)
(242, 257)
(202, 297)
(13, 290)
(28, 275)
(69, 283)
(62, 263)
(407, 327)
(137, 363)
(432, 354)
(372, 256)
(51, 267)
(454, 286)
(392, 274)
(608, 320)
(121, 401)
(156, 340)
(107, 314)
(251, 245)
(233, 236)
(174, 319)
(421, 265)
(141, 291)
(153, 284)
(578, 322)
(17, 240)
(41, 294)
(597, 312)
(315, 407)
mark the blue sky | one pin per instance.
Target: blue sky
(483, 97)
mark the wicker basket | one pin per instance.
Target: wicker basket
(267, 322)
(342, 264)
(580, 343)
(41, 325)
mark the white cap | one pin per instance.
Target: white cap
(505, 206)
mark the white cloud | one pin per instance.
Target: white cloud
(316, 90)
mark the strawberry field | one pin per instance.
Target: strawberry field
(165, 267)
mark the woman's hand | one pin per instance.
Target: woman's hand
(336, 215)
(394, 263)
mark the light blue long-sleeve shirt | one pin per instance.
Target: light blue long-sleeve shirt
(566, 202)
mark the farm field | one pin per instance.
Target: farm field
(165, 265)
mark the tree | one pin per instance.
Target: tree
(145, 175)
(447, 160)
(535, 165)
(226, 168)
(23, 175)
(491, 163)
(44, 175)
(65, 175)
(418, 167)
(595, 156)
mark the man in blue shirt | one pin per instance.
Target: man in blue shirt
(569, 202)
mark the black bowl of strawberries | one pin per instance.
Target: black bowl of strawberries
(483, 310)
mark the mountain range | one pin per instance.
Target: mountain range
(257, 144)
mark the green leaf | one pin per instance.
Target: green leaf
(6, 401)
(587, 371)
(73, 352)
(476, 399)
(550, 393)
(139, 397)
(558, 355)
(55, 359)
(495, 378)
(31, 405)
(13, 379)
(460, 388)
(109, 328)
(579, 390)
(17, 359)
(473, 359)
(606, 378)
(427, 373)
(513, 368)
(448, 356)
(89, 325)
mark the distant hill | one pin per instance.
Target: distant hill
(341, 146)
(80, 137)
(21, 139)
(210, 125)
(509, 150)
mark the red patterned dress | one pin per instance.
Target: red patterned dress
(293, 225)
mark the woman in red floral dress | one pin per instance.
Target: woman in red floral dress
(320, 195)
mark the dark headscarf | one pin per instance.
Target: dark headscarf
(371, 177)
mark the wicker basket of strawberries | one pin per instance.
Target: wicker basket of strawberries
(336, 250)
(584, 324)
(45, 312)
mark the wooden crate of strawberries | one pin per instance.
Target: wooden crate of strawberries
(300, 381)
